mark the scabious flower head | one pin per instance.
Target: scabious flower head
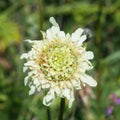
(58, 64)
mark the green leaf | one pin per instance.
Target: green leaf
(9, 33)
(113, 58)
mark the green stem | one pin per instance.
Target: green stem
(48, 113)
(62, 106)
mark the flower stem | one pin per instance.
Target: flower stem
(62, 106)
(48, 113)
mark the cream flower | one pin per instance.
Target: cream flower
(58, 64)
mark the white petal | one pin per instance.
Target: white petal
(26, 80)
(69, 94)
(68, 36)
(32, 90)
(86, 65)
(88, 55)
(31, 73)
(44, 34)
(62, 34)
(24, 55)
(36, 82)
(43, 81)
(38, 88)
(31, 41)
(29, 63)
(77, 34)
(81, 40)
(48, 34)
(36, 48)
(28, 40)
(68, 84)
(71, 101)
(45, 86)
(53, 21)
(25, 69)
(47, 100)
(76, 84)
(27, 77)
(52, 33)
(57, 90)
(66, 93)
(88, 80)
(55, 30)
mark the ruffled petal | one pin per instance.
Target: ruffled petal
(85, 65)
(25, 69)
(24, 56)
(81, 40)
(76, 84)
(88, 80)
(52, 33)
(53, 21)
(32, 90)
(27, 77)
(32, 41)
(47, 100)
(77, 34)
(88, 55)
(26, 80)
(43, 34)
(45, 86)
(69, 94)
(29, 63)
(57, 90)
(71, 100)
(66, 93)
(36, 82)
(61, 35)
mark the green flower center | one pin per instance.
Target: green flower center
(58, 60)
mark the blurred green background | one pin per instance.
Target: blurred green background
(23, 19)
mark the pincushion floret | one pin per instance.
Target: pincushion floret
(58, 60)
(58, 64)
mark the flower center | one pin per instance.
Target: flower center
(58, 60)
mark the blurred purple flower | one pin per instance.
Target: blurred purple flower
(112, 96)
(117, 101)
(109, 110)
